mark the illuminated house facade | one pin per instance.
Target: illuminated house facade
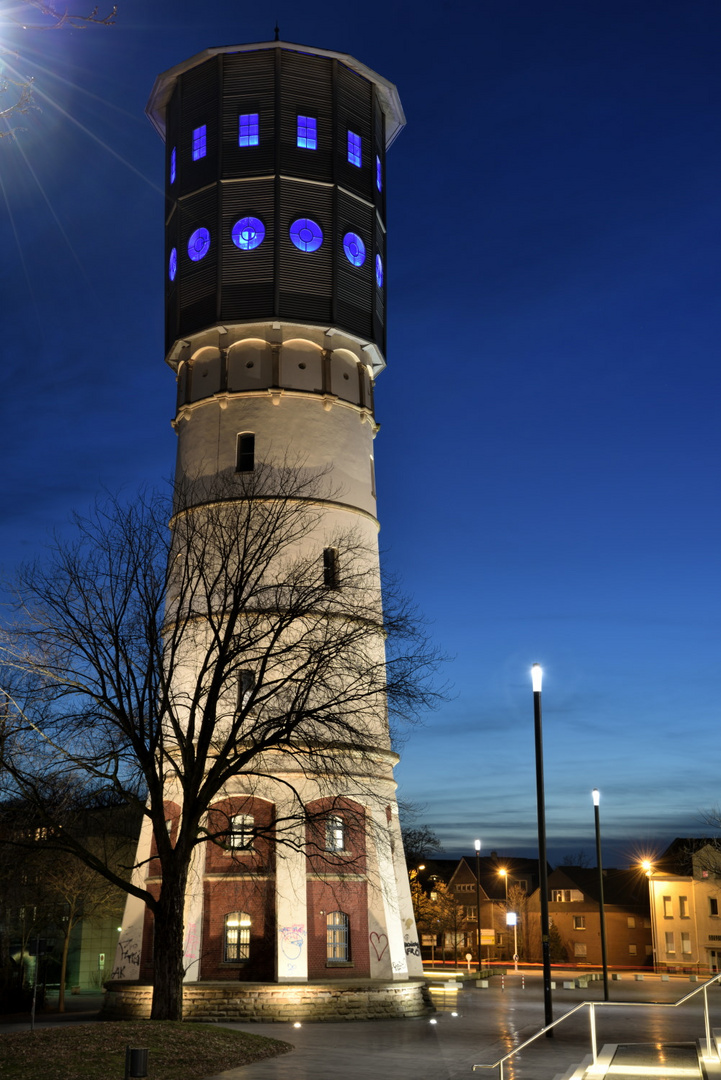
(275, 286)
(686, 908)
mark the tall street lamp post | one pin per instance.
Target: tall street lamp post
(477, 845)
(596, 795)
(537, 680)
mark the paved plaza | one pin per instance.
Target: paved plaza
(477, 1026)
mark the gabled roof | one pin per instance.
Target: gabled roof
(622, 888)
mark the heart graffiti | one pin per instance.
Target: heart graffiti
(379, 943)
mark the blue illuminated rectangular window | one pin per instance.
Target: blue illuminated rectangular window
(200, 142)
(173, 164)
(354, 148)
(307, 132)
(248, 129)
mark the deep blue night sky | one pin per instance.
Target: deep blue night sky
(548, 464)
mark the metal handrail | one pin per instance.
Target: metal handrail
(593, 1005)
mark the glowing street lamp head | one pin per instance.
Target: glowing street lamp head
(502, 871)
(596, 796)
(477, 845)
(536, 678)
(647, 867)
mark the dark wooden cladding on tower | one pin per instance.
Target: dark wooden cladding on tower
(213, 183)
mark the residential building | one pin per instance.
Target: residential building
(574, 913)
(686, 907)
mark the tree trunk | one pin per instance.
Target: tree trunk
(64, 967)
(168, 946)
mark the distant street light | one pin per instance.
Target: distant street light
(647, 867)
(536, 681)
(504, 874)
(596, 795)
(512, 920)
(477, 846)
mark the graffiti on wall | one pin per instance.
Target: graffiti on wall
(379, 943)
(292, 939)
(191, 948)
(412, 948)
(127, 957)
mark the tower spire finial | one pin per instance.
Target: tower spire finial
(277, 31)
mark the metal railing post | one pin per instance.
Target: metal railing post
(592, 1018)
(706, 1021)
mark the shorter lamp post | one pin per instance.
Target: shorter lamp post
(512, 920)
(477, 846)
(537, 681)
(596, 795)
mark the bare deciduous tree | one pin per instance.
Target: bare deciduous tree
(195, 657)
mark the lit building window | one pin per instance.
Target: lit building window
(354, 248)
(236, 937)
(173, 264)
(354, 149)
(173, 164)
(686, 944)
(307, 132)
(240, 833)
(334, 834)
(337, 951)
(631, 922)
(200, 142)
(306, 234)
(330, 568)
(199, 244)
(248, 233)
(248, 129)
(379, 272)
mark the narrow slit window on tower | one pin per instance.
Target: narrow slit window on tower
(246, 685)
(354, 149)
(379, 173)
(245, 453)
(236, 937)
(330, 568)
(337, 938)
(307, 132)
(248, 129)
(200, 142)
(173, 164)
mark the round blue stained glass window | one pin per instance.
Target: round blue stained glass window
(198, 244)
(354, 248)
(379, 271)
(307, 235)
(248, 233)
(173, 264)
